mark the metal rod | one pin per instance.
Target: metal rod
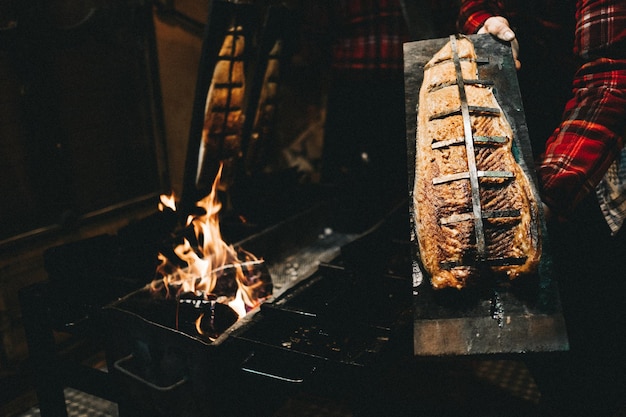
(485, 111)
(478, 140)
(471, 157)
(457, 218)
(452, 83)
(466, 175)
(501, 261)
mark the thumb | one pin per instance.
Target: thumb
(499, 27)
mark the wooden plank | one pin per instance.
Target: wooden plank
(501, 318)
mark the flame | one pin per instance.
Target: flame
(207, 260)
(167, 201)
(198, 323)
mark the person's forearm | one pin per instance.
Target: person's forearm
(588, 140)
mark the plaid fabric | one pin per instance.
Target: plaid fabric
(611, 194)
(585, 151)
(370, 34)
(589, 139)
(473, 13)
(600, 29)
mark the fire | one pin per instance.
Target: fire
(210, 269)
(167, 201)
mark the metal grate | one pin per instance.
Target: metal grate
(81, 404)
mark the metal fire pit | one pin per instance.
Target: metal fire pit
(334, 322)
(523, 316)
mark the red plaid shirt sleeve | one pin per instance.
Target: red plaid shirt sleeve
(473, 13)
(600, 29)
(590, 137)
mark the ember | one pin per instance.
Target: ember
(208, 271)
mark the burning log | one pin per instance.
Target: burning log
(208, 271)
(215, 319)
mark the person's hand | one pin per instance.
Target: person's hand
(499, 27)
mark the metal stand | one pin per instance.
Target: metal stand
(51, 369)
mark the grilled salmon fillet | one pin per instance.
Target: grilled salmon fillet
(470, 222)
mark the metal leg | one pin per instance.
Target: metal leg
(42, 350)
